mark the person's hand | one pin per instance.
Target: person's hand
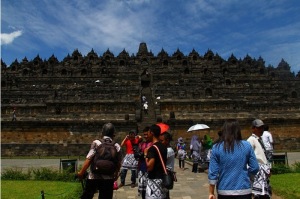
(80, 176)
(211, 196)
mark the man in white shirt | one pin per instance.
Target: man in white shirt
(261, 188)
(268, 142)
(146, 108)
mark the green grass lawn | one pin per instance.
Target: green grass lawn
(13, 189)
(286, 185)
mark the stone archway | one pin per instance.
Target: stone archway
(145, 79)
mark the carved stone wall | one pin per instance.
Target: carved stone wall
(94, 89)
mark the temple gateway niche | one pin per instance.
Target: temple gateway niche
(62, 105)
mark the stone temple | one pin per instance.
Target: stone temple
(60, 106)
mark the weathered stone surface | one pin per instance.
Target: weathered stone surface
(67, 102)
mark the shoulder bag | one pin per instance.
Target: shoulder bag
(169, 176)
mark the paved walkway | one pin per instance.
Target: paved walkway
(189, 185)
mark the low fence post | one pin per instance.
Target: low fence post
(43, 194)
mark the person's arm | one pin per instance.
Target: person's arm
(211, 190)
(117, 172)
(149, 161)
(123, 142)
(85, 166)
(213, 173)
(253, 166)
(271, 140)
(140, 138)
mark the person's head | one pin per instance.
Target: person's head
(145, 133)
(231, 134)
(154, 131)
(194, 139)
(109, 130)
(180, 140)
(131, 134)
(257, 127)
(165, 138)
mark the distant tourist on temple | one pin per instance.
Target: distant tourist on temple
(268, 142)
(145, 108)
(14, 117)
(144, 99)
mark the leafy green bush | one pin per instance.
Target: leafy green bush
(296, 167)
(43, 174)
(280, 169)
(15, 174)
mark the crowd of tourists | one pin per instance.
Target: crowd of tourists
(237, 168)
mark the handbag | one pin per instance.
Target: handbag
(169, 176)
(115, 186)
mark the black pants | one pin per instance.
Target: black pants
(261, 197)
(181, 163)
(249, 196)
(105, 188)
(124, 173)
(195, 167)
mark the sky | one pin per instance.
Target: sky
(258, 28)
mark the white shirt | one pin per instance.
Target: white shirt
(170, 159)
(267, 140)
(145, 106)
(258, 150)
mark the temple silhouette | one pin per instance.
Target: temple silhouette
(62, 105)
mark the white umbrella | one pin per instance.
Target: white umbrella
(198, 127)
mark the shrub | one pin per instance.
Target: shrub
(43, 174)
(280, 169)
(15, 174)
(296, 167)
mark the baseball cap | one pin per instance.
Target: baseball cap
(257, 123)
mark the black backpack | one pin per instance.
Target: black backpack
(105, 160)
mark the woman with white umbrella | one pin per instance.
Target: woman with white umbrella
(196, 149)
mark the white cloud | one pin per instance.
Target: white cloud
(8, 38)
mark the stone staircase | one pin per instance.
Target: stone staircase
(150, 118)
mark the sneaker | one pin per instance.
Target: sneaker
(132, 185)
